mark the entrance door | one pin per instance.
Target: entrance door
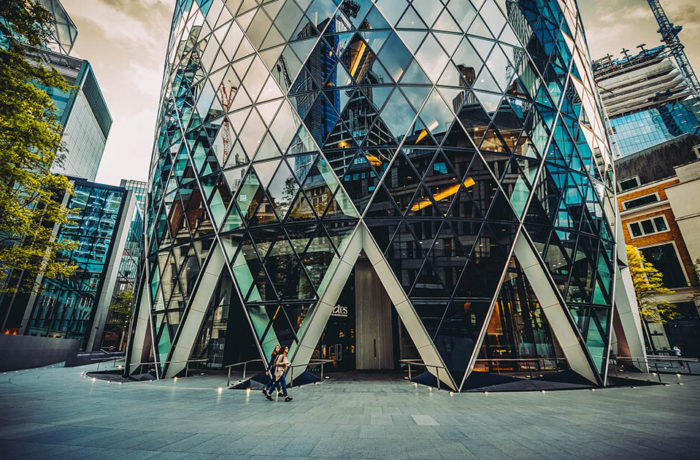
(374, 338)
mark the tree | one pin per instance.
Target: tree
(648, 285)
(30, 143)
(121, 311)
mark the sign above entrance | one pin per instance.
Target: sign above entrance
(340, 311)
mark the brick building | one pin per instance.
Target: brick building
(659, 202)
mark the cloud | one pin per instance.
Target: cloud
(125, 41)
(612, 25)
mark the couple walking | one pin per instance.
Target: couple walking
(275, 371)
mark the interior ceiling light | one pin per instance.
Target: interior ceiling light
(448, 192)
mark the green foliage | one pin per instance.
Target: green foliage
(121, 309)
(648, 284)
(30, 139)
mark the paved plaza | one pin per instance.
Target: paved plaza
(61, 413)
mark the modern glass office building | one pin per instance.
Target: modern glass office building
(76, 307)
(647, 99)
(82, 111)
(378, 181)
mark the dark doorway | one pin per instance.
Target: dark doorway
(364, 331)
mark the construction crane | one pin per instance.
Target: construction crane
(669, 35)
(227, 93)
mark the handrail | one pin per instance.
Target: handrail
(521, 359)
(420, 362)
(312, 362)
(187, 367)
(655, 361)
(245, 365)
(669, 358)
(105, 359)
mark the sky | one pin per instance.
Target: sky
(125, 41)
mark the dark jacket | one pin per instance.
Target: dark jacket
(271, 364)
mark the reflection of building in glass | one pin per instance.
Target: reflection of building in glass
(76, 307)
(394, 191)
(133, 249)
(129, 263)
(657, 198)
(646, 98)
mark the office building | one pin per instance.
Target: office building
(133, 250)
(658, 203)
(82, 111)
(363, 181)
(647, 99)
(76, 307)
(129, 266)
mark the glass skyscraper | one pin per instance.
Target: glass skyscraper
(76, 307)
(375, 181)
(82, 111)
(647, 100)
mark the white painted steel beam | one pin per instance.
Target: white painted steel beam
(553, 309)
(185, 339)
(143, 322)
(362, 240)
(627, 308)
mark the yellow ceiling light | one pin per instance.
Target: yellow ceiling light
(448, 192)
(374, 161)
(358, 58)
(343, 144)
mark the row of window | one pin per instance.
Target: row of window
(648, 226)
(641, 201)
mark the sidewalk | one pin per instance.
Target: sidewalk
(58, 412)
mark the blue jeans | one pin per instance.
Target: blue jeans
(283, 381)
(270, 383)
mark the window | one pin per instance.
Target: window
(648, 227)
(637, 202)
(664, 258)
(660, 224)
(635, 229)
(687, 311)
(629, 183)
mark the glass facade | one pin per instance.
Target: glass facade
(86, 124)
(63, 32)
(66, 307)
(446, 130)
(641, 130)
(133, 248)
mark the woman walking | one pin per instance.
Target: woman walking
(281, 365)
(270, 372)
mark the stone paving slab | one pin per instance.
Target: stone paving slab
(61, 413)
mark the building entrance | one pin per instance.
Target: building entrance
(364, 331)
